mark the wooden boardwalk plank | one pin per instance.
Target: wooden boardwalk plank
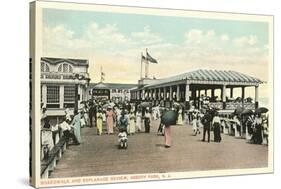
(99, 155)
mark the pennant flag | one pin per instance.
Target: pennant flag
(150, 59)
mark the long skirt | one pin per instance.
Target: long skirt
(138, 124)
(179, 121)
(109, 123)
(132, 127)
(99, 126)
(147, 125)
(168, 136)
(217, 133)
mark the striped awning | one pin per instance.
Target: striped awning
(218, 76)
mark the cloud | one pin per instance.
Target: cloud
(196, 36)
(107, 45)
(146, 37)
(245, 41)
(224, 37)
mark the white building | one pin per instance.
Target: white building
(117, 92)
(61, 79)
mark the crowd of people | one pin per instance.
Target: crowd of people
(128, 119)
(252, 126)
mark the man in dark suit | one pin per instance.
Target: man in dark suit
(206, 121)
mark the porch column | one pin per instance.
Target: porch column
(213, 93)
(223, 96)
(206, 92)
(143, 94)
(61, 96)
(187, 96)
(256, 96)
(178, 93)
(171, 94)
(44, 94)
(139, 95)
(165, 93)
(243, 95)
(158, 94)
(199, 102)
(231, 92)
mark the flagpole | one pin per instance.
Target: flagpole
(101, 74)
(141, 67)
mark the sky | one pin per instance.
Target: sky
(180, 44)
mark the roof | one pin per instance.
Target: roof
(112, 85)
(52, 60)
(210, 76)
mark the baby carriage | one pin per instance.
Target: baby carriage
(122, 138)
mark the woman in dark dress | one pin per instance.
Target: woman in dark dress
(216, 125)
(147, 121)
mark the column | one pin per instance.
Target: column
(44, 94)
(199, 97)
(256, 96)
(143, 94)
(165, 93)
(187, 96)
(243, 95)
(171, 94)
(231, 92)
(178, 93)
(213, 93)
(157, 94)
(206, 92)
(61, 95)
(223, 96)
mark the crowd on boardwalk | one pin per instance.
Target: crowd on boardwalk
(252, 126)
(127, 119)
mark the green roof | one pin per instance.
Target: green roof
(209, 75)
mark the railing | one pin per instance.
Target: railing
(53, 144)
(232, 105)
(58, 76)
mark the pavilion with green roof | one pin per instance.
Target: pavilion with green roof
(189, 86)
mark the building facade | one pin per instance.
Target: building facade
(116, 92)
(64, 84)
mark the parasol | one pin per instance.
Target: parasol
(169, 118)
(261, 110)
(238, 110)
(247, 112)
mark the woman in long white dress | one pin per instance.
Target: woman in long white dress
(179, 121)
(132, 124)
(138, 120)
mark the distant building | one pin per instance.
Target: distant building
(60, 78)
(117, 92)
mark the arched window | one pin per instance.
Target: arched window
(44, 67)
(66, 68)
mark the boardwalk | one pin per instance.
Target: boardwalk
(99, 155)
